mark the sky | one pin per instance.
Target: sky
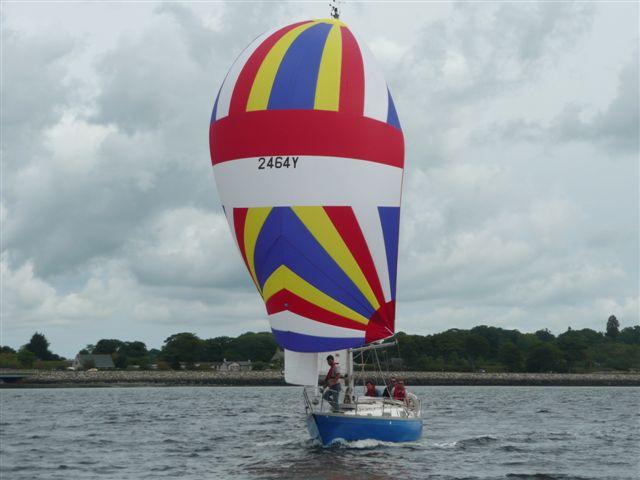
(520, 206)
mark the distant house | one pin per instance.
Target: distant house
(235, 366)
(101, 362)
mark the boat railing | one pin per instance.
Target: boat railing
(315, 403)
(309, 402)
(412, 408)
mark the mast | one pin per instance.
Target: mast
(335, 9)
(349, 370)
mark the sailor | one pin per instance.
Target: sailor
(332, 383)
(388, 391)
(399, 393)
(371, 389)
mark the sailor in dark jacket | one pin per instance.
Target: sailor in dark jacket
(388, 391)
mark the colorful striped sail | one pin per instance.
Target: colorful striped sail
(308, 157)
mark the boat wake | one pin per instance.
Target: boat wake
(372, 444)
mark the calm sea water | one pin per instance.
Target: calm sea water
(216, 432)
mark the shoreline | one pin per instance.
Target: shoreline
(154, 378)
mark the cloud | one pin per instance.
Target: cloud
(615, 129)
(457, 67)
(111, 222)
(182, 247)
(35, 302)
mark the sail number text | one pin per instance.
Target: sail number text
(277, 162)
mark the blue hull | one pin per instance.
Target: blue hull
(329, 428)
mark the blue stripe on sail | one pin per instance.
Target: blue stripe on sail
(392, 115)
(268, 254)
(390, 220)
(215, 107)
(284, 240)
(294, 86)
(299, 342)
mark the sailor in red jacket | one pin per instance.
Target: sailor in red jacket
(399, 393)
(332, 384)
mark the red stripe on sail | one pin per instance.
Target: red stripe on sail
(285, 300)
(381, 325)
(347, 226)
(242, 88)
(351, 75)
(305, 132)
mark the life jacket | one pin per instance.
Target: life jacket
(331, 373)
(399, 394)
(371, 391)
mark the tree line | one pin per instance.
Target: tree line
(496, 349)
(35, 353)
(179, 350)
(480, 348)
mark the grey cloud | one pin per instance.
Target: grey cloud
(112, 221)
(236, 25)
(144, 80)
(182, 247)
(154, 143)
(479, 53)
(483, 49)
(615, 129)
(36, 87)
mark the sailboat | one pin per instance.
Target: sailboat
(360, 417)
(308, 158)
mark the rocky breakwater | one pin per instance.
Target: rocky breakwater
(523, 379)
(41, 378)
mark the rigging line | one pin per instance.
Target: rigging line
(386, 357)
(379, 370)
(362, 361)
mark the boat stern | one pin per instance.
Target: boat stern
(328, 428)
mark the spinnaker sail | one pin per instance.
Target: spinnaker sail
(308, 157)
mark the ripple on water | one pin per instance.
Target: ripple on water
(544, 476)
(195, 433)
(511, 448)
(480, 441)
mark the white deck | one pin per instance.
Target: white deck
(363, 406)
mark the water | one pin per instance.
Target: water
(216, 432)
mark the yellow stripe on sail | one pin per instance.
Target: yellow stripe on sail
(283, 277)
(262, 84)
(333, 21)
(252, 226)
(319, 224)
(328, 86)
